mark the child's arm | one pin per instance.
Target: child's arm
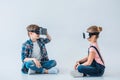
(48, 39)
(48, 36)
(80, 62)
(24, 56)
(35, 61)
(90, 58)
(83, 60)
(28, 59)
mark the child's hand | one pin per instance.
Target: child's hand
(76, 65)
(48, 36)
(37, 63)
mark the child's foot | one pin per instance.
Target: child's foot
(76, 74)
(53, 70)
(30, 71)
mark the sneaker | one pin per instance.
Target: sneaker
(30, 71)
(76, 74)
(53, 70)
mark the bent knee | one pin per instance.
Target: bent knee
(81, 68)
(53, 63)
(29, 64)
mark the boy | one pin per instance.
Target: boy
(34, 54)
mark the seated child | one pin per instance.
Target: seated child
(34, 54)
(92, 64)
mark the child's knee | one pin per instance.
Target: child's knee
(29, 64)
(80, 68)
(53, 63)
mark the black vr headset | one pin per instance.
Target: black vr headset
(40, 31)
(89, 34)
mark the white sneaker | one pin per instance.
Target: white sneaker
(30, 71)
(76, 74)
(53, 70)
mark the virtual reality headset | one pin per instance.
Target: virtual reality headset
(89, 34)
(40, 31)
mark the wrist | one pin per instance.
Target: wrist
(80, 62)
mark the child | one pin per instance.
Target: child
(34, 54)
(93, 64)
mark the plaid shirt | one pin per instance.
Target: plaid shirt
(27, 50)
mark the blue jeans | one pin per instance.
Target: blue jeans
(45, 65)
(94, 69)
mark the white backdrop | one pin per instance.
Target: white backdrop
(65, 21)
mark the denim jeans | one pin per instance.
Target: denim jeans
(94, 69)
(44, 65)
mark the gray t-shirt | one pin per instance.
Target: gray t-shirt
(36, 51)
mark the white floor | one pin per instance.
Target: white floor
(14, 74)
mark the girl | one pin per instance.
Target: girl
(93, 64)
